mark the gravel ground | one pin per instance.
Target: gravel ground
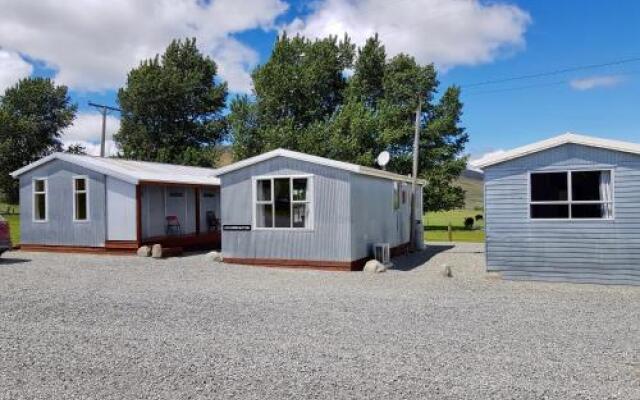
(108, 327)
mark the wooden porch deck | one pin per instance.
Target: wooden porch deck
(193, 241)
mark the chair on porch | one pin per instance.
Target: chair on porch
(213, 223)
(173, 225)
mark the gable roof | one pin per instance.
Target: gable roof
(567, 138)
(355, 168)
(132, 171)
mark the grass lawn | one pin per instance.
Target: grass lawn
(436, 226)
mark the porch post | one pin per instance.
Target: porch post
(139, 214)
(197, 213)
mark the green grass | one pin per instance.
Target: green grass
(436, 224)
(13, 219)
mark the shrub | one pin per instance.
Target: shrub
(468, 223)
(479, 217)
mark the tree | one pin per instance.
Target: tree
(76, 148)
(33, 115)
(172, 108)
(304, 101)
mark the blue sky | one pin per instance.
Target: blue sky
(470, 41)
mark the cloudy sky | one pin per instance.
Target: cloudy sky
(90, 45)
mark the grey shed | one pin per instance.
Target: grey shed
(564, 209)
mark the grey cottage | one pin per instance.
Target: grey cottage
(285, 208)
(565, 209)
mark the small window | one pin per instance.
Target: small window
(80, 199)
(282, 202)
(176, 194)
(39, 199)
(571, 195)
(207, 194)
(396, 196)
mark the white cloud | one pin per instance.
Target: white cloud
(87, 129)
(445, 32)
(12, 69)
(93, 44)
(475, 160)
(593, 82)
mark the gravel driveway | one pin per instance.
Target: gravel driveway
(108, 327)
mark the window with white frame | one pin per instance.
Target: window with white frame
(80, 198)
(571, 195)
(39, 199)
(283, 202)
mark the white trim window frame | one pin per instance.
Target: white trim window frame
(569, 202)
(77, 192)
(308, 202)
(35, 194)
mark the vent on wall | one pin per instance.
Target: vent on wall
(381, 253)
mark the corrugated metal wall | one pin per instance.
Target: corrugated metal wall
(606, 251)
(330, 238)
(121, 210)
(373, 217)
(60, 229)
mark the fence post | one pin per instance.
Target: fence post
(449, 232)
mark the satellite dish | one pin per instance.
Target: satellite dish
(383, 159)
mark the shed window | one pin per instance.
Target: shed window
(80, 199)
(396, 195)
(282, 202)
(40, 200)
(571, 195)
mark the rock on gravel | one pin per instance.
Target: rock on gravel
(144, 251)
(156, 251)
(374, 266)
(214, 256)
(114, 327)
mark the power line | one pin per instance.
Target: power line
(545, 84)
(554, 72)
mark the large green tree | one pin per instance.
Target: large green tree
(305, 100)
(172, 108)
(33, 115)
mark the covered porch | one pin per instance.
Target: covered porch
(178, 215)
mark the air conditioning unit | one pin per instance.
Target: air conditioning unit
(381, 253)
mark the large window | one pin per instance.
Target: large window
(80, 199)
(40, 200)
(571, 195)
(283, 202)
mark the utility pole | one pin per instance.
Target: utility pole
(103, 110)
(414, 176)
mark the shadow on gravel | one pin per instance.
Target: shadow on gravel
(8, 260)
(414, 260)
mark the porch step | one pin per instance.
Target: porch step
(172, 251)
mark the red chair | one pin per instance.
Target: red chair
(173, 225)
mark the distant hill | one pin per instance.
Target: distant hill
(472, 182)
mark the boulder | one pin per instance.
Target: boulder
(144, 251)
(156, 251)
(214, 256)
(374, 266)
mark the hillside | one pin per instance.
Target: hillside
(472, 182)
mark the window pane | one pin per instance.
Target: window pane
(396, 196)
(549, 186)
(591, 185)
(40, 207)
(264, 190)
(39, 185)
(549, 211)
(264, 216)
(300, 216)
(282, 194)
(80, 184)
(300, 188)
(591, 211)
(81, 206)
